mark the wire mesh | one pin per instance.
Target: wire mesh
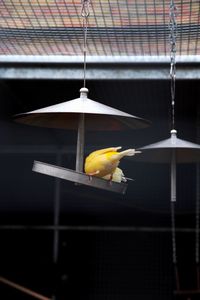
(116, 27)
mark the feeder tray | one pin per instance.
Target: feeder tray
(78, 177)
(79, 114)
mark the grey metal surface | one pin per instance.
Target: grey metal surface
(94, 59)
(97, 116)
(161, 152)
(102, 69)
(78, 177)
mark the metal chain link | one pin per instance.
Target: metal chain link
(85, 12)
(85, 9)
(172, 37)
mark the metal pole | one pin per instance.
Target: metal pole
(56, 231)
(81, 122)
(81, 134)
(56, 213)
(173, 176)
(80, 143)
(173, 201)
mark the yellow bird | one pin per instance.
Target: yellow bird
(105, 161)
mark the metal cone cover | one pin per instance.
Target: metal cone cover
(161, 152)
(97, 116)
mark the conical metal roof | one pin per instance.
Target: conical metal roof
(161, 152)
(97, 116)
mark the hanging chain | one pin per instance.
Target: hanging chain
(172, 36)
(85, 12)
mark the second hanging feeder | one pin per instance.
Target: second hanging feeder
(172, 151)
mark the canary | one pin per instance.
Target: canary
(105, 161)
(117, 176)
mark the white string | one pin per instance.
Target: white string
(85, 12)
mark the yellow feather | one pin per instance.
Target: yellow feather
(104, 161)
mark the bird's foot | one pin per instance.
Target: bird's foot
(92, 174)
(110, 180)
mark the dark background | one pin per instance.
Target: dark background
(122, 262)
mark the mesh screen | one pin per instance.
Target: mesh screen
(116, 27)
(117, 266)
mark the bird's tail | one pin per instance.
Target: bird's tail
(128, 152)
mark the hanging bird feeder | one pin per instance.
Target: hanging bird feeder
(80, 114)
(172, 151)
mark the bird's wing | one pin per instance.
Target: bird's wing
(103, 163)
(102, 151)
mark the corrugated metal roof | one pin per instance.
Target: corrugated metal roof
(116, 27)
